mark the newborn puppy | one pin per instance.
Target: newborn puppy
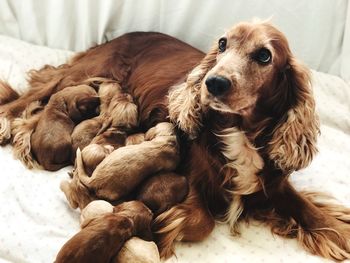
(99, 241)
(162, 191)
(122, 170)
(51, 141)
(102, 237)
(101, 146)
(77, 194)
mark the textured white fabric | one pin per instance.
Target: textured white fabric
(316, 28)
(35, 219)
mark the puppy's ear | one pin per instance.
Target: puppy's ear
(185, 108)
(293, 143)
(88, 105)
(83, 108)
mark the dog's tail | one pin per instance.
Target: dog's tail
(81, 173)
(22, 129)
(323, 228)
(7, 93)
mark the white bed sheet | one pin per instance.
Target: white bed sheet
(35, 219)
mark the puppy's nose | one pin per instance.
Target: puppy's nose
(217, 85)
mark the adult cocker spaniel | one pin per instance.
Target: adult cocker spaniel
(246, 120)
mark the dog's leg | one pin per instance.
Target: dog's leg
(188, 221)
(322, 228)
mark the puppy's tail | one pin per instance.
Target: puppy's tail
(325, 232)
(7, 93)
(81, 173)
(22, 129)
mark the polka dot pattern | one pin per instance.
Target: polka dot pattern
(35, 219)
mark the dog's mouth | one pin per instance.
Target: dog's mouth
(218, 105)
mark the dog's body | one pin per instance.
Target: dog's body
(51, 141)
(248, 92)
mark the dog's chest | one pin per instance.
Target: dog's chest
(242, 161)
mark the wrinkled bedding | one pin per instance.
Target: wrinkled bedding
(35, 219)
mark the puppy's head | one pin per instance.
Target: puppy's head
(93, 155)
(81, 102)
(140, 215)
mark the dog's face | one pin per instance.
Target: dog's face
(247, 58)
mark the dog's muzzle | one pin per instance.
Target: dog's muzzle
(217, 85)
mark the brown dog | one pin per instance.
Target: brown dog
(162, 191)
(51, 141)
(102, 238)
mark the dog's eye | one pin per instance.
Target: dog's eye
(222, 44)
(262, 56)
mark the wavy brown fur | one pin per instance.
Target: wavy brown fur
(22, 128)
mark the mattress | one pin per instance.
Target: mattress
(35, 219)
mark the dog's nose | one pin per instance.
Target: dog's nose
(217, 85)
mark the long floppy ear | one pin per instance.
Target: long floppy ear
(293, 143)
(185, 109)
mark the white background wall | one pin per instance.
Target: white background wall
(318, 30)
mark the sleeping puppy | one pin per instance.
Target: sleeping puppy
(102, 237)
(99, 241)
(51, 141)
(77, 194)
(101, 146)
(120, 172)
(162, 191)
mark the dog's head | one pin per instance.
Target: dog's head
(251, 68)
(81, 102)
